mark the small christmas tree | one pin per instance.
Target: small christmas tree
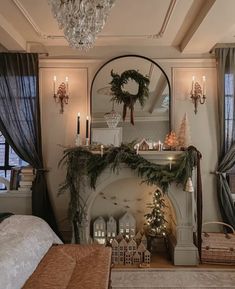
(184, 136)
(171, 141)
(155, 219)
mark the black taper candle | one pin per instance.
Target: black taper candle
(78, 124)
(87, 126)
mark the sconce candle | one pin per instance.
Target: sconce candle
(203, 85)
(87, 126)
(193, 83)
(78, 123)
(54, 84)
(67, 84)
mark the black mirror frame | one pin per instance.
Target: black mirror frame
(140, 56)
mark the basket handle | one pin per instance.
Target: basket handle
(220, 223)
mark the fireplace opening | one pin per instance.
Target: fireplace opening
(130, 197)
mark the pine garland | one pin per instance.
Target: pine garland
(81, 164)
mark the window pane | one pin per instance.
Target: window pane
(2, 155)
(4, 174)
(228, 84)
(2, 139)
(14, 160)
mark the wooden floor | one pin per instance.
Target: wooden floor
(160, 260)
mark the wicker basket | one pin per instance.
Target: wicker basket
(218, 248)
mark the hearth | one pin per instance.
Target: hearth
(116, 193)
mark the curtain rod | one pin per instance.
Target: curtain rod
(222, 45)
(43, 54)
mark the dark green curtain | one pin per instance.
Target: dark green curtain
(20, 122)
(226, 72)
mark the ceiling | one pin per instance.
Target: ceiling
(179, 28)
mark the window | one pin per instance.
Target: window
(229, 109)
(229, 122)
(8, 159)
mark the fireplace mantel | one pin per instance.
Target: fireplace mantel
(183, 250)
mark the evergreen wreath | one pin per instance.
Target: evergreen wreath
(125, 97)
(82, 163)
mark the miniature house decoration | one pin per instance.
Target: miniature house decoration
(111, 228)
(99, 230)
(128, 252)
(127, 225)
(143, 145)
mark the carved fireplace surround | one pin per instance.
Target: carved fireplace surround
(183, 250)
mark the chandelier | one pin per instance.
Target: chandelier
(81, 20)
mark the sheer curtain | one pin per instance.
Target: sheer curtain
(226, 91)
(20, 121)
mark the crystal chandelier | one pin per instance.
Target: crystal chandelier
(81, 20)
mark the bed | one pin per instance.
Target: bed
(32, 256)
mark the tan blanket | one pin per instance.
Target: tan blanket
(72, 267)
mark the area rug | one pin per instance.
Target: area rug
(173, 278)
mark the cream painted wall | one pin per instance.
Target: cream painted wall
(203, 128)
(60, 129)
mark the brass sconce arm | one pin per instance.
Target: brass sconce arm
(62, 95)
(197, 96)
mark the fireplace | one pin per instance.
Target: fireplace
(111, 197)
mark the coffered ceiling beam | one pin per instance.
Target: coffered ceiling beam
(9, 37)
(207, 29)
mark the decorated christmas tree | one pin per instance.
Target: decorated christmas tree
(184, 136)
(155, 219)
(171, 141)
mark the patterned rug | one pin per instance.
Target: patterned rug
(173, 278)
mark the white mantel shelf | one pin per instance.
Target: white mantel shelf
(160, 157)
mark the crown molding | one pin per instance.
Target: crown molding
(30, 20)
(41, 34)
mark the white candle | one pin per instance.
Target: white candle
(67, 84)
(137, 149)
(101, 150)
(159, 145)
(54, 83)
(193, 83)
(204, 85)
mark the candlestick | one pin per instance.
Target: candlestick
(78, 123)
(87, 126)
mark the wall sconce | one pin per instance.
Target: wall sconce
(198, 94)
(62, 94)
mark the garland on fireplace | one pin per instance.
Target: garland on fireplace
(82, 163)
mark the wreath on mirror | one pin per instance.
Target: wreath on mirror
(125, 97)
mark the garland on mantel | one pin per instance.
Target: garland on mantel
(83, 163)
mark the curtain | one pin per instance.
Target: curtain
(226, 91)
(20, 122)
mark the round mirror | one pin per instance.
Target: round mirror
(130, 100)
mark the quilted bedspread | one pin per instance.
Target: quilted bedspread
(24, 240)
